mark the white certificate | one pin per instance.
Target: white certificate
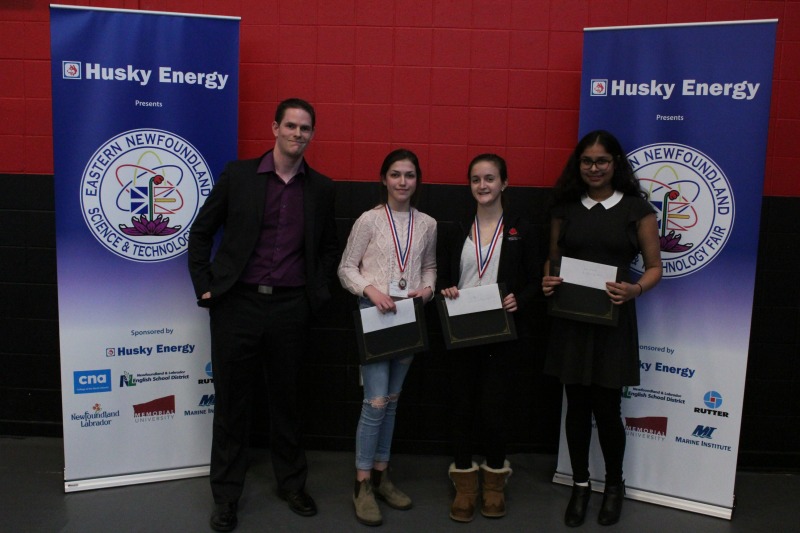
(374, 320)
(587, 273)
(474, 300)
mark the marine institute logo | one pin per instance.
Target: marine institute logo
(141, 191)
(693, 201)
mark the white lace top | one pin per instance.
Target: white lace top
(370, 259)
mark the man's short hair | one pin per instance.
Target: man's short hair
(295, 103)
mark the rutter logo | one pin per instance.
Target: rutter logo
(694, 204)
(140, 192)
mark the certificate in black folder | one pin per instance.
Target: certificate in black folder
(380, 343)
(580, 296)
(474, 329)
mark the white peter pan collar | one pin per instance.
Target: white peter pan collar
(608, 203)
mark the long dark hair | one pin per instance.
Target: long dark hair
(570, 187)
(401, 154)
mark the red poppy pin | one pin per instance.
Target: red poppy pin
(513, 235)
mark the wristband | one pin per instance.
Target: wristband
(641, 289)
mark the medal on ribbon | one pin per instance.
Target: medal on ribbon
(401, 253)
(483, 262)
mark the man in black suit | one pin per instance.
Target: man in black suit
(277, 253)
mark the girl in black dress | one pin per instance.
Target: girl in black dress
(600, 215)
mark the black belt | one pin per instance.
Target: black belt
(267, 289)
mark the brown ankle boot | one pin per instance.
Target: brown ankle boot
(385, 490)
(367, 511)
(494, 484)
(466, 484)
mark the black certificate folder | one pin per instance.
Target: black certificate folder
(397, 341)
(474, 329)
(581, 303)
(584, 304)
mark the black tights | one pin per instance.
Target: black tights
(582, 401)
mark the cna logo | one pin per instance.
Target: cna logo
(209, 373)
(71, 70)
(713, 401)
(154, 410)
(140, 192)
(599, 87)
(703, 432)
(91, 381)
(648, 427)
(693, 201)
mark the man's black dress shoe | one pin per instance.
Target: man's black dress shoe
(612, 504)
(224, 517)
(578, 502)
(300, 502)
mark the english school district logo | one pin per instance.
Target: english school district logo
(141, 191)
(599, 87)
(693, 201)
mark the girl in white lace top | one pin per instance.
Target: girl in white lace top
(390, 255)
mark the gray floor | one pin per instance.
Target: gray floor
(32, 499)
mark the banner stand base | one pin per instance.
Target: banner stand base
(658, 499)
(134, 479)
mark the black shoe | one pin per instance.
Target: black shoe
(576, 509)
(612, 504)
(300, 502)
(224, 517)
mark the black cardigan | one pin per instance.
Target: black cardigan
(519, 266)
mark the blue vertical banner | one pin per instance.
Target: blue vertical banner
(144, 117)
(690, 103)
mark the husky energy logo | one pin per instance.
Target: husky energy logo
(693, 201)
(140, 193)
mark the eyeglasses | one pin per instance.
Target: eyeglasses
(588, 163)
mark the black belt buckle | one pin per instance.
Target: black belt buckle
(264, 289)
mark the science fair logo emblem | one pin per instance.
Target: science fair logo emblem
(599, 87)
(693, 201)
(141, 191)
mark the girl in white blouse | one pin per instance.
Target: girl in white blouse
(390, 255)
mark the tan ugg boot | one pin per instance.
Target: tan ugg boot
(494, 484)
(466, 484)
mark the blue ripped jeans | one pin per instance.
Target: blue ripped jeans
(383, 382)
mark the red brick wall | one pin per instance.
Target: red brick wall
(447, 78)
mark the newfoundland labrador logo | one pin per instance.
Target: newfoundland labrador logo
(140, 192)
(694, 204)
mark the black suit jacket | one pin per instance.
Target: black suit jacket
(519, 266)
(236, 204)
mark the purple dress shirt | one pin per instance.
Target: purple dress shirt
(278, 259)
